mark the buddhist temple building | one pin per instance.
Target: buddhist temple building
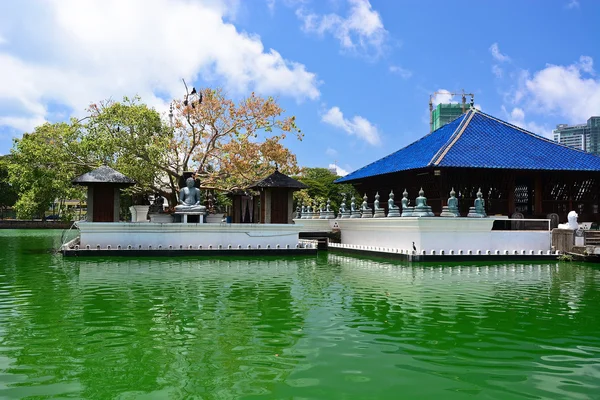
(104, 186)
(520, 174)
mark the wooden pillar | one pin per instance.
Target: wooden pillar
(511, 194)
(538, 194)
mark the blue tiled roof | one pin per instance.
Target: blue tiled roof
(478, 140)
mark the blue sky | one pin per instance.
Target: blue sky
(357, 73)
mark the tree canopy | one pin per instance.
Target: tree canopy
(8, 192)
(226, 144)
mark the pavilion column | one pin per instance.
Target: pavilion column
(538, 194)
(511, 194)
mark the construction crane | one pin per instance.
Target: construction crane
(464, 103)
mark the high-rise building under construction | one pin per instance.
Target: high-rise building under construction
(583, 136)
(444, 113)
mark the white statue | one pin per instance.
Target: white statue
(572, 224)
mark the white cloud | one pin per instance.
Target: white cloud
(498, 56)
(496, 70)
(569, 91)
(338, 170)
(517, 114)
(403, 72)
(271, 5)
(331, 152)
(572, 4)
(517, 117)
(443, 96)
(84, 51)
(357, 126)
(361, 30)
(22, 124)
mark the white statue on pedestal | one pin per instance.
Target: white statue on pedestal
(572, 224)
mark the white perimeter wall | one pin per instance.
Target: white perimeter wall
(439, 234)
(155, 234)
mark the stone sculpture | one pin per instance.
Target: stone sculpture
(421, 208)
(572, 224)
(189, 199)
(158, 205)
(406, 209)
(344, 212)
(366, 211)
(393, 209)
(304, 212)
(322, 212)
(329, 214)
(478, 210)
(379, 212)
(298, 213)
(354, 213)
(451, 210)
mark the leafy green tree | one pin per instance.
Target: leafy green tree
(42, 165)
(321, 187)
(8, 193)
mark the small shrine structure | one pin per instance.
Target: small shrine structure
(276, 198)
(519, 173)
(104, 186)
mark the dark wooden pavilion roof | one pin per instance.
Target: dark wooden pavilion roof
(278, 180)
(102, 175)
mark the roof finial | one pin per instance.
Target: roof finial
(276, 167)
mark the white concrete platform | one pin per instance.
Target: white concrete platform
(448, 235)
(145, 235)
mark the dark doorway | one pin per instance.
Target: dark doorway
(279, 206)
(104, 204)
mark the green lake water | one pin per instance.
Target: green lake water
(326, 327)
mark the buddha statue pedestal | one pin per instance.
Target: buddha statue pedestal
(473, 213)
(354, 213)
(421, 208)
(407, 212)
(478, 210)
(379, 212)
(448, 212)
(184, 215)
(393, 209)
(393, 212)
(451, 210)
(366, 212)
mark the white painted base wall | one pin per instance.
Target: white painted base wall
(146, 234)
(440, 234)
(313, 225)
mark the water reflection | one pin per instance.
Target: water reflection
(324, 327)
